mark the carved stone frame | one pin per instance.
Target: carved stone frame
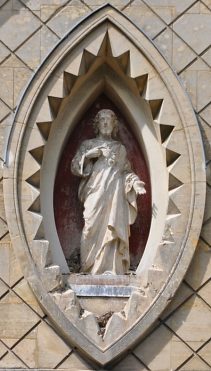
(30, 168)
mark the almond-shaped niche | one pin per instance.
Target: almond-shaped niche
(60, 208)
(67, 207)
(104, 62)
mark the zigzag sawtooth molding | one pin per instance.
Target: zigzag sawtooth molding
(64, 86)
(49, 112)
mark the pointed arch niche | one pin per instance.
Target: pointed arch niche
(67, 208)
(111, 64)
(106, 55)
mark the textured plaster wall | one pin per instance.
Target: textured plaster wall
(181, 29)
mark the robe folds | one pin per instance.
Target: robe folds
(109, 199)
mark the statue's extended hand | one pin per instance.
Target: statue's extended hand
(92, 153)
(139, 187)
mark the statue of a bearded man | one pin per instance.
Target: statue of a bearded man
(108, 191)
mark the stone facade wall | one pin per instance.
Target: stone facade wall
(181, 29)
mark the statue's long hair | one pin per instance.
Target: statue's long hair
(115, 121)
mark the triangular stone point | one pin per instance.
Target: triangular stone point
(45, 114)
(87, 59)
(69, 81)
(35, 206)
(165, 132)
(55, 104)
(155, 106)
(171, 157)
(174, 183)
(105, 48)
(44, 128)
(141, 82)
(40, 234)
(34, 180)
(124, 62)
(173, 210)
(37, 154)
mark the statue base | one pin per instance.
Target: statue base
(105, 285)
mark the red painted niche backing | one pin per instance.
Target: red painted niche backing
(67, 208)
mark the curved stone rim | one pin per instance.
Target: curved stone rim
(186, 255)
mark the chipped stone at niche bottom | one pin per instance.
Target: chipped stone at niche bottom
(68, 303)
(136, 305)
(115, 326)
(90, 326)
(50, 274)
(51, 277)
(86, 321)
(121, 321)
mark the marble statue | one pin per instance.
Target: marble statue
(108, 191)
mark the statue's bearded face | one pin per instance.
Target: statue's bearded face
(106, 123)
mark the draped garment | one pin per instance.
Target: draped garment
(106, 191)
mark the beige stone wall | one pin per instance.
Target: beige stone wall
(181, 29)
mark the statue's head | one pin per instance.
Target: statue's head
(106, 122)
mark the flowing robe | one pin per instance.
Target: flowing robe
(109, 199)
